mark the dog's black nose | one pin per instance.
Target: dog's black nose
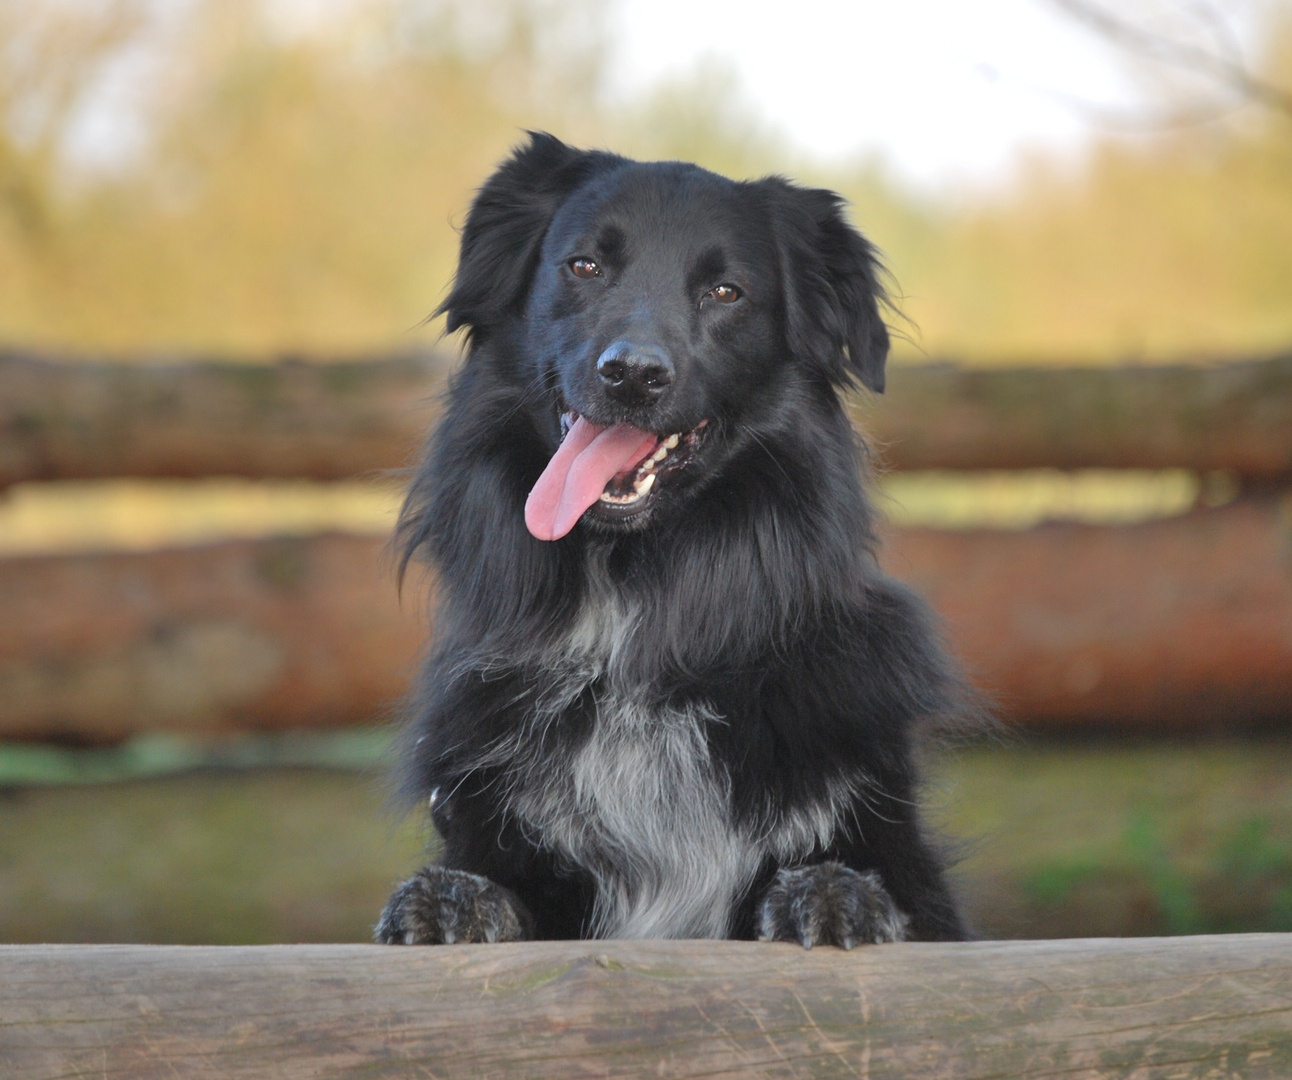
(635, 374)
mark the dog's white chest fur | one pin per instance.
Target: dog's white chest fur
(643, 808)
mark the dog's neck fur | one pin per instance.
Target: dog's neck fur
(641, 805)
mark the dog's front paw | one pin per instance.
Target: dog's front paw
(829, 904)
(437, 906)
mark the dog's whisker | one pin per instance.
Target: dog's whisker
(766, 450)
(522, 397)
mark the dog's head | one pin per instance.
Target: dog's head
(651, 312)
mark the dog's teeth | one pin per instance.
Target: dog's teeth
(643, 478)
(640, 490)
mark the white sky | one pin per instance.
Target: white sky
(946, 91)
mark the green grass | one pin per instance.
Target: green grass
(1087, 839)
(146, 756)
(1058, 839)
(204, 858)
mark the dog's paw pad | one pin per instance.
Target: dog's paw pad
(437, 906)
(830, 904)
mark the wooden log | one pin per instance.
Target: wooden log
(66, 420)
(1182, 624)
(1235, 417)
(239, 636)
(63, 420)
(1177, 625)
(1151, 1009)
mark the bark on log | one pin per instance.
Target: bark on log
(323, 421)
(1148, 1008)
(62, 420)
(246, 635)
(1235, 417)
(1183, 624)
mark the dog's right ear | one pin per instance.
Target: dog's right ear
(506, 225)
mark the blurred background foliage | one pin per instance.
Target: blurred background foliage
(289, 185)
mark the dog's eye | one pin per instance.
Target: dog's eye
(725, 294)
(584, 268)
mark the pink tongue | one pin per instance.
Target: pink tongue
(578, 473)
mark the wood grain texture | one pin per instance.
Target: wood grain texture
(1235, 417)
(62, 419)
(188, 418)
(248, 635)
(1176, 625)
(1183, 624)
(1139, 1008)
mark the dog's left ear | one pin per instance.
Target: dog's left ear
(830, 275)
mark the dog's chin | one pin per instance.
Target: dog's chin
(608, 516)
(615, 520)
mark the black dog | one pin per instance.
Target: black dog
(671, 694)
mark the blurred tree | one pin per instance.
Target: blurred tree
(1170, 242)
(1205, 50)
(52, 57)
(295, 179)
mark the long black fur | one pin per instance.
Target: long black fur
(742, 614)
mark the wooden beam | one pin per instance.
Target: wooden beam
(1176, 625)
(1235, 417)
(241, 636)
(1182, 624)
(65, 420)
(1152, 1009)
(78, 420)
